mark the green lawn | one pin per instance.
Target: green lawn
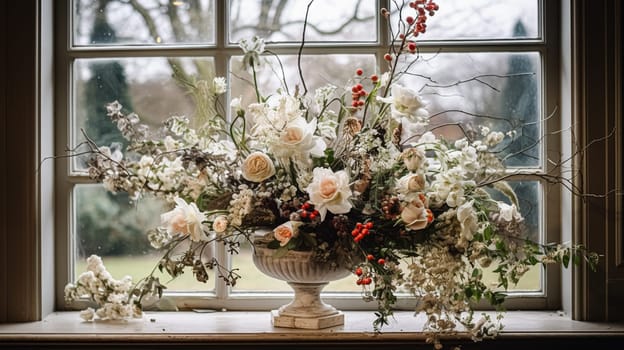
(252, 279)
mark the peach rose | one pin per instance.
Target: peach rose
(416, 216)
(258, 167)
(220, 224)
(184, 219)
(285, 232)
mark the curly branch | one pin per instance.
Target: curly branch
(478, 79)
(476, 115)
(299, 54)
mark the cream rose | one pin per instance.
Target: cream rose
(330, 191)
(405, 102)
(413, 158)
(285, 232)
(258, 167)
(220, 224)
(411, 183)
(416, 216)
(184, 219)
(297, 139)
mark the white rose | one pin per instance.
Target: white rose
(411, 183)
(416, 216)
(285, 232)
(257, 167)
(330, 191)
(405, 103)
(220, 224)
(184, 219)
(298, 139)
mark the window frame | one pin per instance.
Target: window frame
(547, 47)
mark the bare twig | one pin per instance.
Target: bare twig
(478, 79)
(299, 54)
(281, 68)
(476, 115)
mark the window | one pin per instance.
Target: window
(485, 60)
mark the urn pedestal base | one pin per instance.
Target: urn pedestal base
(307, 279)
(307, 310)
(306, 322)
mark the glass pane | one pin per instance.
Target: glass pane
(479, 20)
(282, 20)
(530, 199)
(318, 71)
(499, 90)
(145, 86)
(143, 22)
(110, 226)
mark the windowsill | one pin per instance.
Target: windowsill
(256, 328)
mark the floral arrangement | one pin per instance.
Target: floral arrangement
(352, 173)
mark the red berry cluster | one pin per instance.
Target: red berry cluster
(415, 25)
(371, 257)
(361, 230)
(307, 211)
(423, 8)
(362, 279)
(358, 92)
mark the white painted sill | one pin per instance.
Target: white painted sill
(254, 327)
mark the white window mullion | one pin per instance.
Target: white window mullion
(222, 52)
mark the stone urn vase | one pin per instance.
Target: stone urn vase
(307, 278)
